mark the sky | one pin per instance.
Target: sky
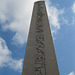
(15, 17)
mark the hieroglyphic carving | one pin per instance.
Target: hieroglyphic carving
(40, 67)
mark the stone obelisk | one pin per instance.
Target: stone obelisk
(40, 58)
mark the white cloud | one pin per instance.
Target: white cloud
(71, 73)
(73, 20)
(65, 21)
(54, 14)
(18, 14)
(5, 57)
(18, 39)
(73, 8)
(16, 64)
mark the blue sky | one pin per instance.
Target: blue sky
(15, 16)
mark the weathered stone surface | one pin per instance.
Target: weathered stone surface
(40, 58)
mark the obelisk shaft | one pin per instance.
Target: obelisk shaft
(40, 58)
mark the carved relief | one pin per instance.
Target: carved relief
(40, 67)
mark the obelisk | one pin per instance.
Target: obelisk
(40, 58)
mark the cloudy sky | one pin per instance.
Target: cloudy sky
(15, 17)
